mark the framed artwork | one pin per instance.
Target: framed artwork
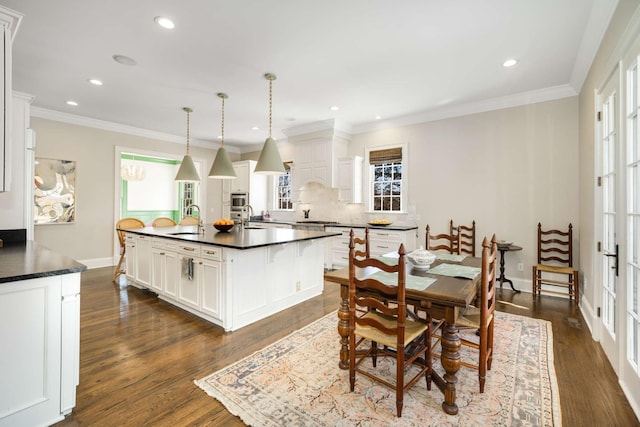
(54, 191)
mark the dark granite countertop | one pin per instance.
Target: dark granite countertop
(400, 227)
(22, 261)
(236, 238)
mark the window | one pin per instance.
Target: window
(386, 183)
(188, 196)
(283, 189)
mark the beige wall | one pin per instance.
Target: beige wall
(92, 238)
(506, 169)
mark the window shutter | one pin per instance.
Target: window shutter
(389, 155)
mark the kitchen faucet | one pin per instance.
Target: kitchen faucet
(249, 210)
(200, 224)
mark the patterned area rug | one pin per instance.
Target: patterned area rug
(296, 382)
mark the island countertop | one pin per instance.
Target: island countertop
(235, 238)
(30, 260)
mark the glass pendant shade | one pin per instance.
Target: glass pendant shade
(222, 168)
(187, 170)
(270, 162)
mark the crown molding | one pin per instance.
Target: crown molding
(73, 119)
(524, 98)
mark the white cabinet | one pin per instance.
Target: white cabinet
(9, 21)
(381, 241)
(350, 179)
(189, 275)
(211, 282)
(131, 261)
(143, 260)
(40, 349)
(246, 182)
(164, 266)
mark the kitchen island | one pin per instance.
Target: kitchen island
(40, 334)
(230, 278)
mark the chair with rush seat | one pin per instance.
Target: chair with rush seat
(189, 220)
(121, 225)
(467, 237)
(555, 260)
(481, 319)
(447, 242)
(365, 252)
(163, 222)
(385, 330)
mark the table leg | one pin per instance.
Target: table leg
(343, 327)
(450, 360)
(502, 277)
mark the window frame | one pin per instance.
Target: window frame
(404, 187)
(276, 189)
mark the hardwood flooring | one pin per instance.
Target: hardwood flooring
(139, 357)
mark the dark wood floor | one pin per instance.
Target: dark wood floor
(139, 357)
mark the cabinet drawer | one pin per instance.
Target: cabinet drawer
(189, 249)
(385, 235)
(211, 252)
(166, 244)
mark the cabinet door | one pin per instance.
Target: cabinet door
(171, 274)
(130, 258)
(157, 270)
(212, 297)
(188, 285)
(241, 183)
(143, 256)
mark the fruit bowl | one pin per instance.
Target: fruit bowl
(223, 227)
(421, 259)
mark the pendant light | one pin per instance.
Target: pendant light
(222, 168)
(187, 171)
(270, 162)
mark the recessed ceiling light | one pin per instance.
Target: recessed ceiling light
(164, 22)
(378, 117)
(124, 60)
(509, 63)
(95, 82)
(72, 103)
(334, 108)
(255, 128)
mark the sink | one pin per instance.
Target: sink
(184, 233)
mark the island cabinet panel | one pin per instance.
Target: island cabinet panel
(39, 360)
(233, 287)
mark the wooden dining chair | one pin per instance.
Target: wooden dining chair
(121, 225)
(479, 320)
(555, 260)
(384, 330)
(442, 242)
(163, 221)
(189, 220)
(362, 250)
(467, 237)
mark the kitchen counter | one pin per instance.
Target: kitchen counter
(236, 238)
(30, 260)
(392, 226)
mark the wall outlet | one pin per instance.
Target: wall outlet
(298, 286)
(520, 266)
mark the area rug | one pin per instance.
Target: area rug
(296, 382)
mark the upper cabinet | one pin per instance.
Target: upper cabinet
(350, 179)
(316, 157)
(9, 22)
(246, 182)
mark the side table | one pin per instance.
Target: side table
(502, 278)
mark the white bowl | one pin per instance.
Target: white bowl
(421, 259)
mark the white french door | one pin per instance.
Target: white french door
(609, 201)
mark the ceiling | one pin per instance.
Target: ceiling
(405, 61)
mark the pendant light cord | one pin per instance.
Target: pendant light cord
(270, 103)
(222, 142)
(188, 110)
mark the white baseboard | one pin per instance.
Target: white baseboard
(98, 262)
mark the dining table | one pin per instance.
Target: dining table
(448, 286)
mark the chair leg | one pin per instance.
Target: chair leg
(576, 287)
(482, 359)
(119, 269)
(399, 381)
(534, 284)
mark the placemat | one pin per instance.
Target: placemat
(450, 257)
(417, 283)
(455, 270)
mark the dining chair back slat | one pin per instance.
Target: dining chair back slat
(467, 237)
(442, 242)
